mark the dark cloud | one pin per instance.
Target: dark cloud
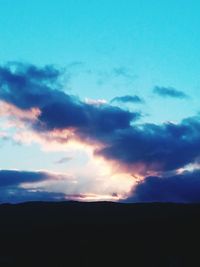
(158, 147)
(17, 195)
(12, 192)
(27, 86)
(15, 178)
(169, 92)
(164, 147)
(127, 99)
(178, 188)
(69, 112)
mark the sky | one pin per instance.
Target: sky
(99, 100)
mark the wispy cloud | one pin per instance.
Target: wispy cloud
(128, 99)
(63, 160)
(117, 73)
(169, 92)
(123, 72)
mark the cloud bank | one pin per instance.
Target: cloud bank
(11, 186)
(33, 97)
(184, 187)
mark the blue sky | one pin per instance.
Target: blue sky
(108, 49)
(157, 42)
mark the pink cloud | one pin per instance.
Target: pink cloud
(12, 112)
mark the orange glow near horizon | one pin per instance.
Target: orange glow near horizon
(97, 175)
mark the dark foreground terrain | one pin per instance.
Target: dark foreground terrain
(99, 234)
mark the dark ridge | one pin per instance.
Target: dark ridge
(60, 234)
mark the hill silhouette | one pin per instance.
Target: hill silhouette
(99, 234)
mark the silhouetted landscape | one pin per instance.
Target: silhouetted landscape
(99, 234)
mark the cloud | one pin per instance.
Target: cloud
(19, 186)
(155, 147)
(27, 87)
(96, 102)
(184, 187)
(169, 92)
(11, 186)
(63, 160)
(113, 134)
(14, 177)
(127, 99)
(64, 117)
(123, 72)
(117, 76)
(17, 116)
(17, 195)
